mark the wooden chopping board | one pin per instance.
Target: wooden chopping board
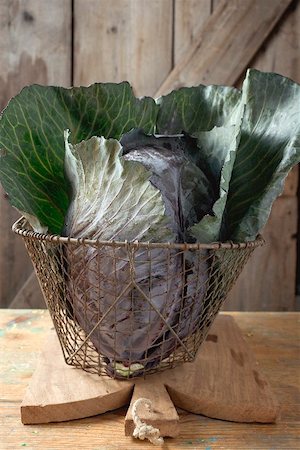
(223, 382)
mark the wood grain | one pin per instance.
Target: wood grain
(241, 394)
(189, 17)
(58, 392)
(269, 278)
(35, 47)
(123, 40)
(226, 43)
(292, 181)
(30, 294)
(273, 337)
(163, 414)
(280, 52)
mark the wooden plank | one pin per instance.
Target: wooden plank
(280, 52)
(30, 295)
(35, 47)
(291, 183)
(268, 281)
(189, 17)
(163, 414)
(123, 40)
(273, 337)
(241, 394)
(57, 392)
(226, 43)
(15, 265)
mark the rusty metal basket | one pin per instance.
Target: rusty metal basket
(125, 309)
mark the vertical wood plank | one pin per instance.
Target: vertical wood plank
(291, 183)
(123, 40)
(214, 4)
(27, 296)
(35, 47)
(268, 281)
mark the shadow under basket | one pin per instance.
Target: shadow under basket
(126, 309)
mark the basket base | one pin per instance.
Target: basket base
(223, 382)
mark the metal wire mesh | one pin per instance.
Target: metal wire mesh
(129, 309)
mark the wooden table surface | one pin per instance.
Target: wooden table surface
(274, 338)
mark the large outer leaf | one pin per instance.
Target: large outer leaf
(246, 144)
(195, 109)
(269, 148)
(32, 145)
(112, 199)
(209, 229)
(210, 114)
(217, 150)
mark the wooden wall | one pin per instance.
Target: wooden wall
(35, 47)
(156, 45)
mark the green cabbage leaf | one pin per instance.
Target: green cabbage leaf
(243, 142)
(248, 141)
(201, 164)
(32, 140)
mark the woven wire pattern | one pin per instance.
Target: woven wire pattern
(130, 309)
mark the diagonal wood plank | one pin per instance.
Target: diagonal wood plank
(189, 18)
(226, 43)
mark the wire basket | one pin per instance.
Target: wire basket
(125, 309)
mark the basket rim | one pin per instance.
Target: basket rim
(21, 227)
